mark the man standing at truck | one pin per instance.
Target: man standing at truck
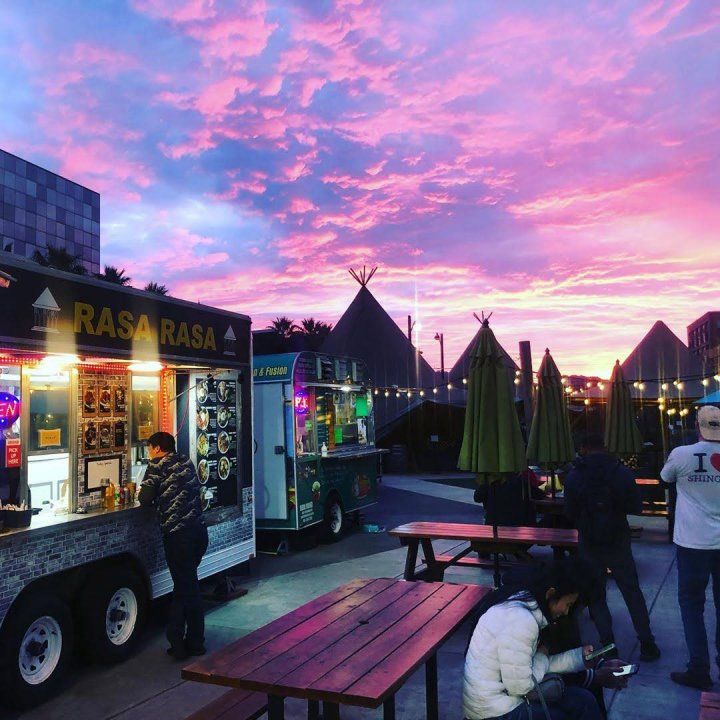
(171, 485)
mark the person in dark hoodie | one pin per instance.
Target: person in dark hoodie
(599, 494)
(171, 485)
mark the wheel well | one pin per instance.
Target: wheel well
(67, 584)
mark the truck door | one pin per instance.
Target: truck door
(270, 482)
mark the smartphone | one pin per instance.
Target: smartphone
(627, 670)
(599, 653)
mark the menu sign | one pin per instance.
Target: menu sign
(216, 429)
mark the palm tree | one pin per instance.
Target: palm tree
(113, 275)
(315, 331)
(153, 287)
(284, 327)
(60, 259)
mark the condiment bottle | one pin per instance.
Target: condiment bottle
(110, 497)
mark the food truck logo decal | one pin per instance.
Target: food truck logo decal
(126, 326)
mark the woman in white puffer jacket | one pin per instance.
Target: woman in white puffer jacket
(503, 656)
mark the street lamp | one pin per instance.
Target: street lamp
(441, 339)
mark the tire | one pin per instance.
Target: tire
(36, 650)
(335, 522)
(111, 614)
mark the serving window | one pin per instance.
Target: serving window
(334, 417)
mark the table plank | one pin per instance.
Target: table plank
(335, 683)
(319, 611)
(292, 674)
(416, 649)
(560, 537)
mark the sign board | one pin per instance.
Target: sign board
(13, 455)
(49, 438)
(101, 471)
(59, 312)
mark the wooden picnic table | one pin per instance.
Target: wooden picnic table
(356, 645)
(482, 539)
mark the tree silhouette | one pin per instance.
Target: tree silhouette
(284, 327)
(315, 332)
(60, 259)
(113, 275)
(153, 287)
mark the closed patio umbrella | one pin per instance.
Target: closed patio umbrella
(550, 444)
(622, 435)
(492, 446)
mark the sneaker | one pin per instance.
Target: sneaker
(699, 681)
(195, 650)
(179, 653)
(649, 651)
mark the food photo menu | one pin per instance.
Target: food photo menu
(216, 436)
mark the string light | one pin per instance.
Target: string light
(464, 381)
(517, 381)
(601, 386)
(409, 395)
(376, 391)
(716, 378)
(587, 401)
(671, 411)
(705, 382)
(563, 380)
(397, 394)
(684, 412)
(636, 384)
(449, 386)
(434, 391)
(641, 386)
(661, 407)
(422, 393)
(664, 386)
(387, 393)
(680, 385)
(568, 390)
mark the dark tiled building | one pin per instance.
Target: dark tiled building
(704, 339)
(41, 209)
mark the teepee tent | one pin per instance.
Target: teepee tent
(367, 332)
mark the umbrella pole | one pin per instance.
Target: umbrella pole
(496, 555)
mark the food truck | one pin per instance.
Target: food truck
(315, 459)
(88, 372)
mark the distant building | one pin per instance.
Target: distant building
(704, 339)
(41, 209)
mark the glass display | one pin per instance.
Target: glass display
(10, 447)
(49, 439)
(332, 417)
(146, 420)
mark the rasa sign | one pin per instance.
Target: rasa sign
(56, 312)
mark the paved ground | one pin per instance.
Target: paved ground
(148, 686)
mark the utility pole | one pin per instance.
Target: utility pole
(411, 325)
(441, 339)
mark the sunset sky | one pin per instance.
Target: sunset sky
(556, 163)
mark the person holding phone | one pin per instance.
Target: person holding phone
(505, 660)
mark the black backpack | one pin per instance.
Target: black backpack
(602, 515)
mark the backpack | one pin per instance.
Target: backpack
(602, 515)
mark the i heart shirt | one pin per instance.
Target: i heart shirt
(696, 470)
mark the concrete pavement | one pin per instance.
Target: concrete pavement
(149, 684)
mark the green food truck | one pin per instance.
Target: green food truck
(315, 454)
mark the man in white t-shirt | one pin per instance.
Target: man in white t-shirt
(696, 471)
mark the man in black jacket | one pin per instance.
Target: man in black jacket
(599, 494)
(171, 485)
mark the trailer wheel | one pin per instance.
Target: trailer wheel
(37, 647)
(111, 613)
(334, 525)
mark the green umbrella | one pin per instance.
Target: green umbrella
(550, 444)
(621, 431)
(492, 444)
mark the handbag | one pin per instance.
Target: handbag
(550, 689)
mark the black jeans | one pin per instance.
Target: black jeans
(695, 568)
(184, 549)
(619, 558)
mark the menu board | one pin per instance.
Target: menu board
(104, 407)
(216, 427)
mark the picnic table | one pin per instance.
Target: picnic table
(356, 645)
(481, 539)
(709, 706)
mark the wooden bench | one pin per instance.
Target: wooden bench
(234, 705)
(709, 706)
(481, 539)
